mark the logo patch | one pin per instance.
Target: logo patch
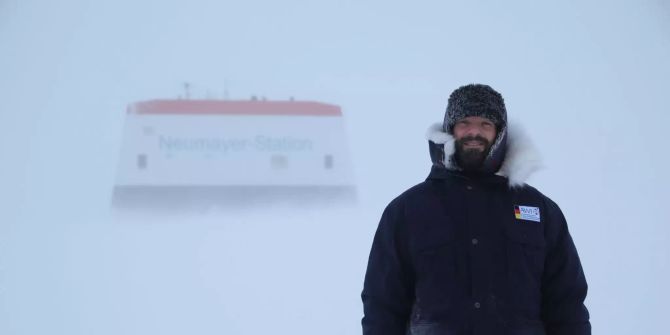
(527, 213)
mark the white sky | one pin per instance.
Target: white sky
(588, 79)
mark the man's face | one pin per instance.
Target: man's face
(474, 137)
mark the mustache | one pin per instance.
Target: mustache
(477, 138)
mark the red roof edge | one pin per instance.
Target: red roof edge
(234, 107)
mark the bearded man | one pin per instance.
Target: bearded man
(473, 249)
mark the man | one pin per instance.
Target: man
(474, 250)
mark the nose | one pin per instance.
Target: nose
(473, 131)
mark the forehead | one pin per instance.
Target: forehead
(475, 119)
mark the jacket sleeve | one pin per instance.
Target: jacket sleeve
(563, 283)
(388, 290)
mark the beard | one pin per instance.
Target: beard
(471, 159)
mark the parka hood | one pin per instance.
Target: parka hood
(520, 161)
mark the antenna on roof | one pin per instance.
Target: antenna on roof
(187, 91)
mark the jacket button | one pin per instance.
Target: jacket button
(475, 241)
(469, 187)
(477, 305)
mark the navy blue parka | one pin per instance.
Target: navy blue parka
(466, 254)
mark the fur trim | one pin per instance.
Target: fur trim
(437, 135)
(521, 160)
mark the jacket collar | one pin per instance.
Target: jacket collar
(520, 161)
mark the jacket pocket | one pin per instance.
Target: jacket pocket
(526, 250)
(436, 252)
(437, 260)
(435, 271)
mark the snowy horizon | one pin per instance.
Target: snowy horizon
(587, 80)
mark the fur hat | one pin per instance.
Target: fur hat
(483, 101)
(475, 100)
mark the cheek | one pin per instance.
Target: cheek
(490, 135)
(458, 133)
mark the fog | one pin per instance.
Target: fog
(588, 80)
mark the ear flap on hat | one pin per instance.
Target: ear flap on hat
(440, 145)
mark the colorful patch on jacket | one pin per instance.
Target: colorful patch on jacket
(527, 213)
